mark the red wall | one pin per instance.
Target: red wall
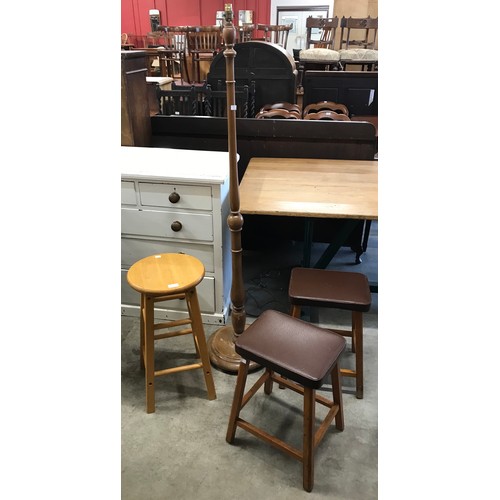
(135, 13)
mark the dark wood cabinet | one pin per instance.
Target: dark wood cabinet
(135, 116)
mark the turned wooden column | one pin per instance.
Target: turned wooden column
(221, 343)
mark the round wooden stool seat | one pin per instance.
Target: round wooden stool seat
(162, 277)
(335, 290)
(165, 273)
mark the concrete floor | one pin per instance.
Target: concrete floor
(180, 452)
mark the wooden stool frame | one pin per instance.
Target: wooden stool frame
(356, 335)
(311, 438)
(148, 338)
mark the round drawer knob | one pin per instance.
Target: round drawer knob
(174, 197)
(176, 226)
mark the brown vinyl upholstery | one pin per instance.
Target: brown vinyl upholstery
(336, 290)
(301, 357)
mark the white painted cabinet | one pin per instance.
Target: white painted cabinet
(176, 200)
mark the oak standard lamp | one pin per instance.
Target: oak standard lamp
(221, 343)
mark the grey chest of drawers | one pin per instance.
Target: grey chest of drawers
(177, 201)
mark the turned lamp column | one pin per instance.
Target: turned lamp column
(221, 343)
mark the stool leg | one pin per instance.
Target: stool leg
(353, 338)
(268, 384)
(308, 439)
(149, 351)
(358, 336)
(142, 313)
(237, 399)
(199, 333)
(337, 397)
(295, 311)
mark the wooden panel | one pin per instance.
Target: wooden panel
(358, 90)
(190, 197)
(135, 120)
(157, 223)
(269, 66)
(274, 138)
(134, 249)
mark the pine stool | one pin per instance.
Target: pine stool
(338, 290)
(306, 355)
(159, 278)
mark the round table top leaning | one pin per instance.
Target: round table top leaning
(165, 273)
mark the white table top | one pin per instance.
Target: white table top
(166, 163)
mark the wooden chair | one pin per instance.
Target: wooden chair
(307, 356)
(326, 115)
(215, 101)
(178, 101)
(337, 290)
(245, 32)
(291, 107)
(156, 60)
(204, 42)
(327, 28)
(275, 33)
(158, 278)
(175, 45)
(319, 53)
(277, 114)
(326, 106)
(361, 52)
(367, 25)
(248, 109)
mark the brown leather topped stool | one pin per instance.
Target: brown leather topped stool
(338, 290)
(306, 355)
(162, 277)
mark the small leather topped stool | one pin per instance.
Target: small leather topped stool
(162, 277)
(306, 355)
(338, 290)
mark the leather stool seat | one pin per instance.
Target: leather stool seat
(300, 356)
(338, 290)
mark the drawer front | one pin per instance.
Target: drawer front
(136, 249)
(189, 197)
(128, 193)
(206, 296)
(194, 226)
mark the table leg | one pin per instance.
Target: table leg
(340, 237)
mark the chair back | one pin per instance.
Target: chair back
(287, 106)
(204, 39)
(281, 114)
(178, 101)
(326, 115)
(369, 30)
(326, 106)
(327, 28)
(215, 102)
(275, 33)
(245, 32)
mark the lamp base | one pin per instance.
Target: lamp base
(221, 351)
